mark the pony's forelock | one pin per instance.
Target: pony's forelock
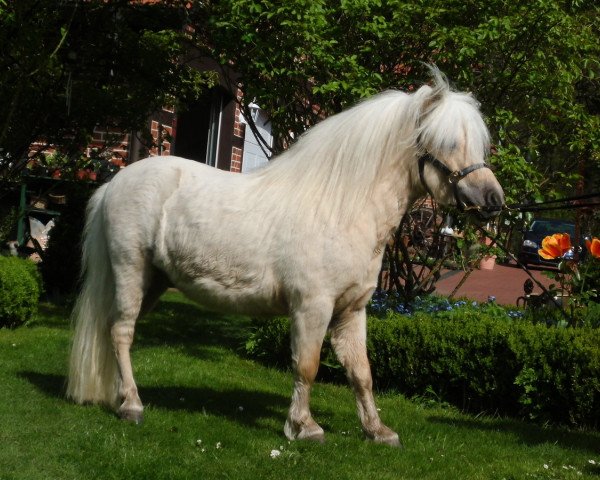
(448, 117)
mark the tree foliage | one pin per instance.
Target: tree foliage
(68, 66)
(533, 65)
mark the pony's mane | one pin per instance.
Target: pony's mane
(340, 159)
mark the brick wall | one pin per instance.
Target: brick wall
(164, 132)
(161, 134)
(239, 131)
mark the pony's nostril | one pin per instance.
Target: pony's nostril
(494, 198)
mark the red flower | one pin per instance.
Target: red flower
(555, 246)
(593, 247)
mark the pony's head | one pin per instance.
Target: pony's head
(452, 143)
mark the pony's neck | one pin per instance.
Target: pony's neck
(338, 166)
(390, 200)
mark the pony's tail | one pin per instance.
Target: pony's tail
(93, 369)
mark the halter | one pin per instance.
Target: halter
(453, 177)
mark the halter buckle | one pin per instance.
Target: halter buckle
(455, 177)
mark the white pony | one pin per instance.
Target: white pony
(304, 237)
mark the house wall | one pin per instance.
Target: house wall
(126, 148)
(254, 155)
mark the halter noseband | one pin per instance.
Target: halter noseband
(453, 177)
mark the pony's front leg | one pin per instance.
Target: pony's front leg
(308, 329)
(348, 337)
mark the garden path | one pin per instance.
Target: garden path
(505, 282)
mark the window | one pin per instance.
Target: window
(198, 132)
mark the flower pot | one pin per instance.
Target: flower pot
(489, 261)
(58, 198)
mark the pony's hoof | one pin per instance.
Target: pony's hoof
(312, 434)
(133, 416)
(310, 431)
(388, 438)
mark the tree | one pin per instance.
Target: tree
(530, 63)
(533, 65)
(68, 66)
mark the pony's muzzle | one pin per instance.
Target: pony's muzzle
(485, 203)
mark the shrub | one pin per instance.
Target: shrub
(476, 359)
(559, 374)
(462, 360)
(270, 342)
(20, 287)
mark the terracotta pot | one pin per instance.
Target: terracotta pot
(489, 261)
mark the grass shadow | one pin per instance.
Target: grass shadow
(176, 321)
(256, 405)
(52, 316)
(528, 433)
(48, 384)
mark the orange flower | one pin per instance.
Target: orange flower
(593, 247)
(555, 246)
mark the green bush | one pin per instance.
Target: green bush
(270, 342)
(20, 287)
(462, 360)
(477, 360)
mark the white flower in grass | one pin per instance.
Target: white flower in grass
(546, 466)
(198, 442)
(275, 453)
(218, 445)
(592, 462)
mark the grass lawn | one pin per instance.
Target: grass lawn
(211, 413)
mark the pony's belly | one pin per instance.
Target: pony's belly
(227, 286)
(220, 279)
(247, 300)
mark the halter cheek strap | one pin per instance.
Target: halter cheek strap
(454, 176)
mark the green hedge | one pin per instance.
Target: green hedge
(475, 361)
(20, 287)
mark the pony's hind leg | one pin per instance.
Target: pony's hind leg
(131, 408)
(348, 337)
(122, 330)
(309, 326)
(132, 302)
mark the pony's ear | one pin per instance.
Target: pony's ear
(428, 97)
(432, 95)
